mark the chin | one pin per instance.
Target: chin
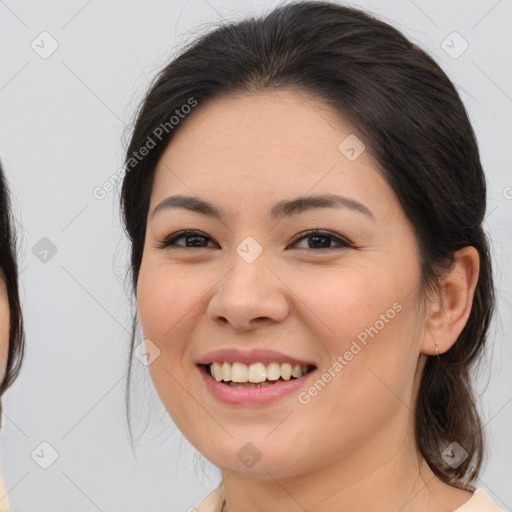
(258, 460)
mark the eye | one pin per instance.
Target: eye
(196, 239)
(321, 240)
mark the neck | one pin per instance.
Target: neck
(383, 474)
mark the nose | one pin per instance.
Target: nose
(249, 295)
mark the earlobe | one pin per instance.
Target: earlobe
(449, 314)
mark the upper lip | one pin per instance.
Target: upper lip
(234, 355)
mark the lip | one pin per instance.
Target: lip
(253, 396)
(234, 355)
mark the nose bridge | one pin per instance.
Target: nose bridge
(249, 290)
(248, 264)
(249, 250)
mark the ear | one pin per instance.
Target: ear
(450, 309)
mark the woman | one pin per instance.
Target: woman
(11, 322)
(304, 201)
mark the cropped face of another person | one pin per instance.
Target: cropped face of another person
(11, 321)
(4, 327)
(307, 296)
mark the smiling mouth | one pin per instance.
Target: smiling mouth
(256, 375)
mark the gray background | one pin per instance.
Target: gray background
(62, 121)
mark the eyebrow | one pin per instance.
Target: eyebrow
(282, 209)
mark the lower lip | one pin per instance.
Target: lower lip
(252, 396)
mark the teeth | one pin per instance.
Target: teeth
(256, 372)
(216, 371)
(239, 372)
(297, 371)
(226, 371)
(286, 371)
(273, 371)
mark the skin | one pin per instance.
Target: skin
(353, 444)
(4, 327)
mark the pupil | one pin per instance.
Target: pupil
(196, 239)
(317, 237)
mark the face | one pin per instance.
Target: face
(4, 327)
(345, 300)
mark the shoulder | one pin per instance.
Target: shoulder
(479, 502)
(212, 503)
(4, 498)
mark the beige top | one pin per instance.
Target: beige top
(479, 502)
(4, 499)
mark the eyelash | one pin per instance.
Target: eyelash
(169, 241)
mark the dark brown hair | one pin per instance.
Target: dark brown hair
(9, 273)
(411, 119)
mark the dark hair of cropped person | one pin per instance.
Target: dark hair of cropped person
(9, 273)
(411, 120)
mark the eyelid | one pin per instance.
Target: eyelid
(167, 241)
(342, 241)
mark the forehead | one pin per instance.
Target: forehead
(283, 125)
(267, 146)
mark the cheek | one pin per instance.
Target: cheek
(159, 309)
(370, 320)
(347, 301)
(168, 303)
(161, 301)
(161, 304)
